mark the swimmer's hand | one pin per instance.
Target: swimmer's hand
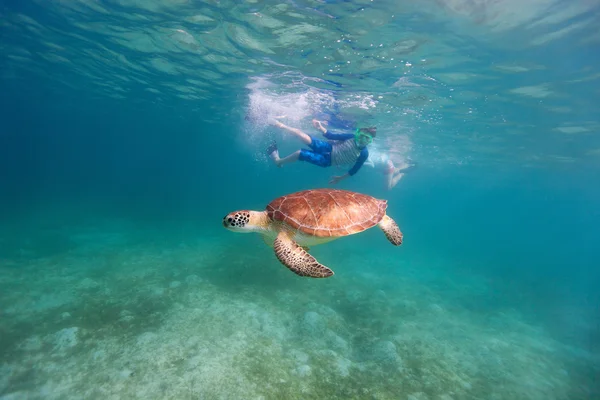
(319, 125)
(336, 179)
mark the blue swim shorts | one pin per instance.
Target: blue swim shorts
(319, 155)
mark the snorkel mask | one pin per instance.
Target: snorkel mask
(362, 138)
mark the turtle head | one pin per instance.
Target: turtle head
(245, 221)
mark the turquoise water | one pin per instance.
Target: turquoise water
(128, 129)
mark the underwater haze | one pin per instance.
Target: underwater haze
(129, 129)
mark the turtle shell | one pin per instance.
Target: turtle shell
(327, 212)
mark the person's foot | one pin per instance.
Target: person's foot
(273, 152)
(407, 167)
(272, 149)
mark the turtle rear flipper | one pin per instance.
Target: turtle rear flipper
(391, 230)
(297, 259)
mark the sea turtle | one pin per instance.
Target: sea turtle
(295, 221)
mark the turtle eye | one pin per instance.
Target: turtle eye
(230, 219)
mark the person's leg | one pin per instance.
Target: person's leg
(393, 179)
(322, 160)
(305, 138)
(273, 154)
(320, 154)
(315, 157)
(285, 160)
(405, 167)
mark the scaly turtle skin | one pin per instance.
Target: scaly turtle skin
(295, 221)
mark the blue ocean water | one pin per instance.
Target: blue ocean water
(128, 129)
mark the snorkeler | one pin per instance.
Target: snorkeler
(391, 172)
(340, 149)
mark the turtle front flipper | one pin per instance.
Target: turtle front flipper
(297, 259)
(391, 230)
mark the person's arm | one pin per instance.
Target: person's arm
(329, 135)
(364, 154)
(338, 136)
